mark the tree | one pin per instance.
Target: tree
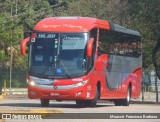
(18, 16)
(145, 17)
(112, 10)
(53, 2)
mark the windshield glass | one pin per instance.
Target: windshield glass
(58, 54)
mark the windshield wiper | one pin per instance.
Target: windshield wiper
(67, 72)
(57, 59)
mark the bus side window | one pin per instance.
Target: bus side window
(127, 45)
(105, 41)
(93, 34)
(120, 41)
(134, 46)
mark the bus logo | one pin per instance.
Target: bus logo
(6, 116)
(55, 87)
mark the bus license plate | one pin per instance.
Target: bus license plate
(54, 94)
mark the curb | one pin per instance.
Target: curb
(16, 91)
(134, 102)
(3, 95)
(144, 102)
(19, 93)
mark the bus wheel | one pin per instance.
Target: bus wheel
(79, 103)
(118, 102)
(93, 102)
(125, 102)
(44, 102)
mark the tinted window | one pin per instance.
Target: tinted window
(119, 43)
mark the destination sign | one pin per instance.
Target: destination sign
(46, 35)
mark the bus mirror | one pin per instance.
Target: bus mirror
(89, 47)
(23, 45)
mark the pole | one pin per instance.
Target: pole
(10, 74)
(143, 78)
(10, 85)
(156, 88)
(143, 87)
(5, 87)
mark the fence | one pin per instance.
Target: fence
(150, 88)
(19, 77)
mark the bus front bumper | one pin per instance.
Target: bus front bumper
(69, 94)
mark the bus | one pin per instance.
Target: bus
(83, 59)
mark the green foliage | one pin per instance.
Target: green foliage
(19, 16)
(2, 55)
(16, 17)
(16, 84)
(145, 17)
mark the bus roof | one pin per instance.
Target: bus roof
(119, 28)
(70, 24)
(78, 24)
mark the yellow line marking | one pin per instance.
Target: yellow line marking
(1, 120)
(1, 97)
(44, 110)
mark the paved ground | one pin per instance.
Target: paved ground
(21, 104)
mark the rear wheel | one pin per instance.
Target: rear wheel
(118, 102)
(44, 102)
(125, 102)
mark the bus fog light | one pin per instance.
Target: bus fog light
(33, 93)
(78, 93)
(88, 94)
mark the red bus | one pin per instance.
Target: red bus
(83, 59)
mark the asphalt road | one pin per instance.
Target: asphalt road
(21, 104)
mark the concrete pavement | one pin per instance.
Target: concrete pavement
(149, 97)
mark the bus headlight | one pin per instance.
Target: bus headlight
(81, 83)
(32, 83)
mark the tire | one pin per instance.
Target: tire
(93, 102)
(80, 103)
(118, 102)
(44, 102)
(126, 101)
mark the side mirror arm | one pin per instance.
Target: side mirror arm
(89, 47)
(23, 46)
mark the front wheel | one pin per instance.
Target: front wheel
(79, 103)
(44, 102)
(93, 102)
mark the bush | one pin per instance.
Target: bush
(16, 84)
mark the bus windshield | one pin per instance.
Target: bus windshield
(58, 54)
